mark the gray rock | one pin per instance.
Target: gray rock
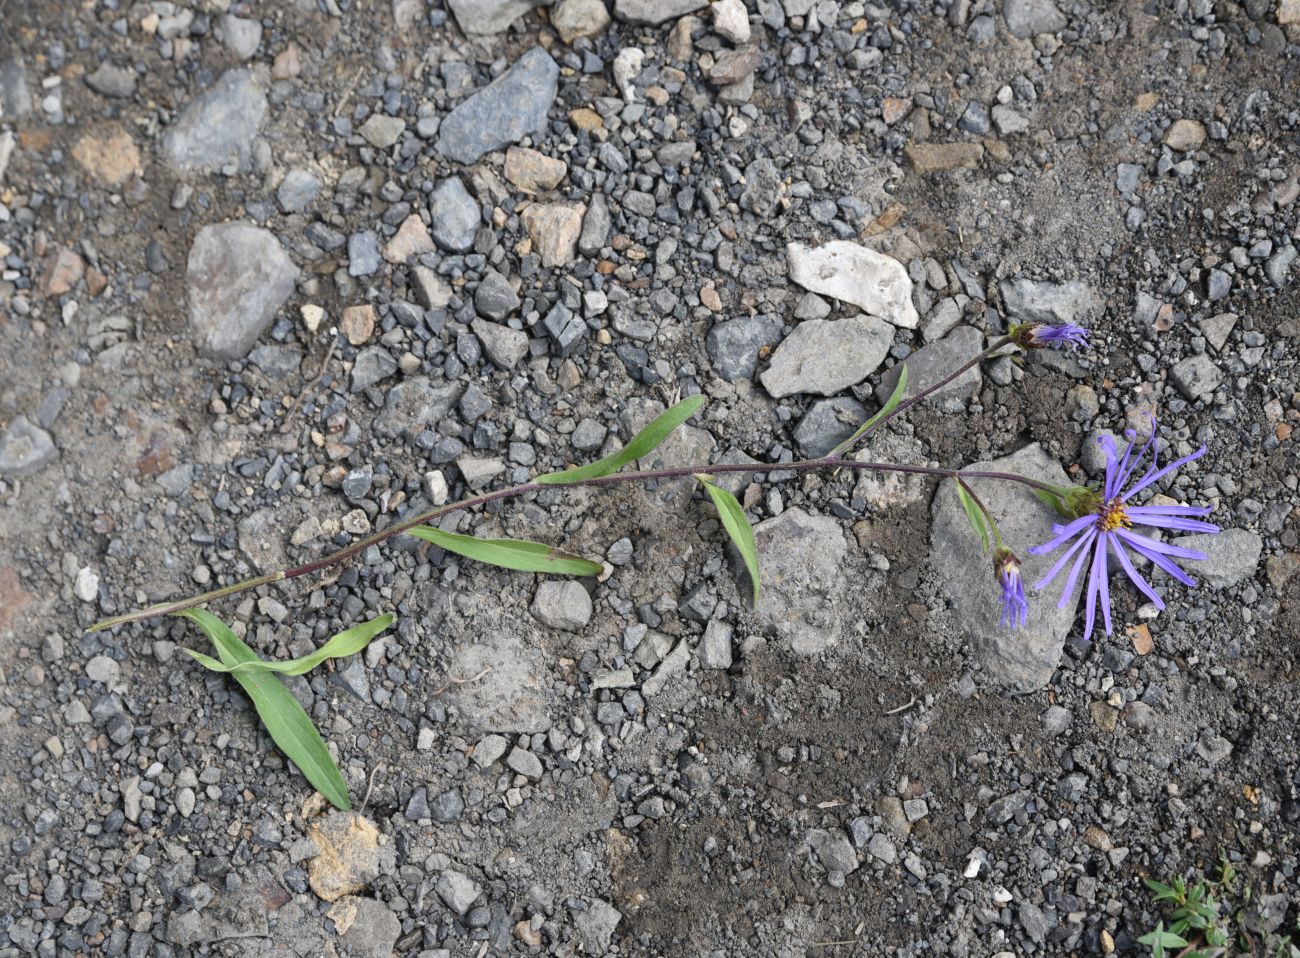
(1023, 659)
(564, 328)
(512, 106)
(562, 604)
(595, 226)
(447, 808)
(596, 925)
(882, 848)
(238, 276)
(364, 258)
(374, 363)
(489, 749)
(1278, 265)
(802, 554)
(1056, 721)
(416, 404)
(652, 12)
(1231, 556)
(297, 190)
(715, 646)
(834, 851)
(109, 79)
(734, 344)
(484, 17)
(874, 282)
(579, 18)
(825, 356)
(374, 930)
(1009, 120)
(1217, 285)
(931, 363)
(1032, 301)
(1028, 18)
(457, 891)
(524, 763)
(217, 129)
(1196, 376)
(503, 345)
(827, 423)
(241, 35)
(25, 448)
(1035, 922)
(382, 131)
(15, 96)
(1216, 329)
(454, 216)
(495, 298)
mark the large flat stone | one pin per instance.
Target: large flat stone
(238, 276)
(512, 106)
(824, 356)
(217, 128)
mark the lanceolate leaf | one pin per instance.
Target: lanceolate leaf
(642, 443)
(974, 514)
(288, 725)
(895, 397)
(348, 642)
(737, 526)
(520, 554)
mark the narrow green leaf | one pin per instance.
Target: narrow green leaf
(895, 397)
(348, 642)
(642, 443)
(737, 526)
(285, 721)
(520, 554)
(974, 514)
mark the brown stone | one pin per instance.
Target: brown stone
(412, 239)
(96, 282)
(63, 269)
(942, 157)
(710, 298)
(288, 63)
(109, 155)
(13, 598)
(894, 109)
(585, 119)
(1104, 715)
(554, 229)
(358, 323)
(1279, 569)
(349, 856)
(732, 66)
(1141, 638)
(533, 172)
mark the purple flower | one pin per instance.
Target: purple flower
(1108, 527)
(1066, 334)
(1015, 607)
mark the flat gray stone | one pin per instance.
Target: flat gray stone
(596, 924)
(15, 95)
(238, 276)
(485, 17)
(734, 344)
(495, 298)
(876, 283)
(382, 131)
(512, 106)
(1032, 301)
(652, 12)
(1231, 556)
(109, 79)
(241, 35)
(562, 604)
(801, 559)
(374, 930)
(825, 356)
(416, 404)
(297, 190)
(373, 364)
(932, 363)
(25, 448)
(1196, 376)
(1023, 659)
(715, 645)
(217, 128)
(454, 216)
(1028, 18)
(503, 345)
(827, 423)
(457, 891)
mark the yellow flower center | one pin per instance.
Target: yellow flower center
(1113, 516)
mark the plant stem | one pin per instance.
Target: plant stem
(511, 492)
(912, 401)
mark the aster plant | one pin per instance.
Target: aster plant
(1098, 522)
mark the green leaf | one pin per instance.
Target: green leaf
(1162, 891)
(895, 397)
(285, 721)
(348, 642)
(519, 554)
(737, 526)
(974, 514)
(642, 443)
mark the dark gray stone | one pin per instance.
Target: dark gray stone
(15, 96)
(512, 106)
(495, 298)
(364, 258)
(109, 79)
(564, 328)
(454, 216)
(25, 448)
(827, 423)
(932, 363)
(734, 344)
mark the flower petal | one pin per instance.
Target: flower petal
(1074, 574)
(1060, 563)
(1157, 474)
(1164, 563)
(1063, 533)
(1170, 522)
(1134, 576)
(1164, 548)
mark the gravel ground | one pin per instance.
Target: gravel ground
(277, 274)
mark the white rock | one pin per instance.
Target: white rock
(87, 584)
(731, 21)
(874, 282)
(627, 67)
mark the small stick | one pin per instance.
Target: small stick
(347, 94)
(901, 708)
(451, 682)
(302, 394)
(370, 787)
